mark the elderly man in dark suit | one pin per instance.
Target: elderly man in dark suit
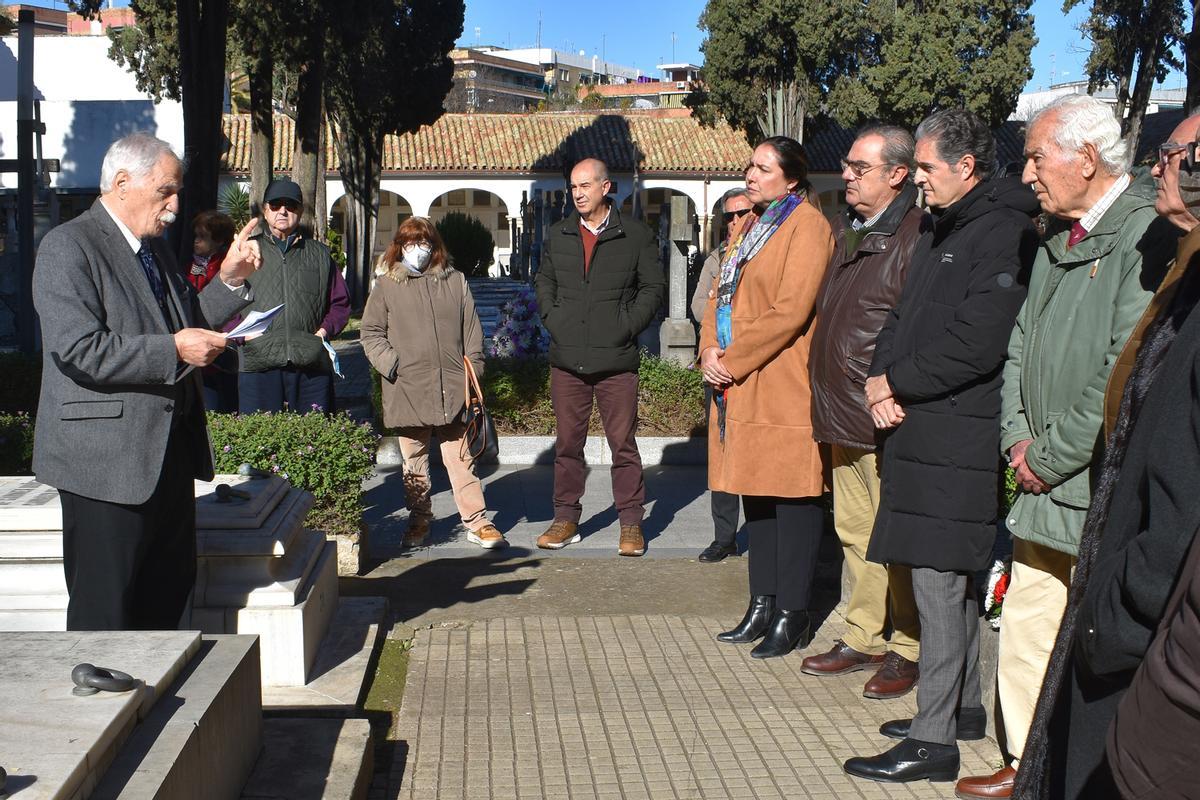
(120, 428)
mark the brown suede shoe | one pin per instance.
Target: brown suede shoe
(840, 659)
(560, 534)
(895, 678)
(986, 787)
(632, 543)
(418, 531)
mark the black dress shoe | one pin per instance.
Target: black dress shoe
(754, 624)
(971, 725)
(788, 630)
(717, 552)
(910, 760)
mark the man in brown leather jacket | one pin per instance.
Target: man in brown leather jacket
(874, 238)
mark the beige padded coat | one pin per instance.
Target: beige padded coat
(415, 331)
(769, 448)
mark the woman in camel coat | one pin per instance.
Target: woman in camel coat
(754, 346)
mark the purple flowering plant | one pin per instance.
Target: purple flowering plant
(519, 333)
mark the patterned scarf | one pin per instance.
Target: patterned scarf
(740, 251)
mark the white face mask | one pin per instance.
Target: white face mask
(416, 256)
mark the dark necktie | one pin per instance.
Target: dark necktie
(1077, 233)
(150, 266)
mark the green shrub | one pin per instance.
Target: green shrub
(21, 384)
(337, 250)
(328, 456)
(517, 393)
(469, 241)
(16, 444)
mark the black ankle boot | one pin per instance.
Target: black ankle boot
(788, 629)
(752, 626)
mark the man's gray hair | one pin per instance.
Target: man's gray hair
(1082, 120)
(958, 133)
(899, 146)
(739, 191)
(136, 153)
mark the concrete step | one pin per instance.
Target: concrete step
(312, 759)
(338, 679)
(201, 739)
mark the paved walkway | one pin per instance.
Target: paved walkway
(627, 707)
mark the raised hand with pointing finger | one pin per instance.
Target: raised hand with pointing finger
(243, 257)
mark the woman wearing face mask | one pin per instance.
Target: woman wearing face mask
(418, 324)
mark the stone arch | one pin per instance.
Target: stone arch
(488, 207)
(393, 209)
(653, 199)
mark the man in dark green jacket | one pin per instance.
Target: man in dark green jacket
(599, 285)
(289, 366)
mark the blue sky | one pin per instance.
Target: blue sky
(644, 33)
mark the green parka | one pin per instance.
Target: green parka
(1082, 305)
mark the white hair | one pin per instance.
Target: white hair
(136, 153)
(1081, 120)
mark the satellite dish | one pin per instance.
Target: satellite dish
(472, 74)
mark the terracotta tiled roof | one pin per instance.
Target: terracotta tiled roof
(521, 143)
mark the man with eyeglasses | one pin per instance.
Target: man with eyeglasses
(288, 367)
(875, 239)
(1103, 254)
(734, 205)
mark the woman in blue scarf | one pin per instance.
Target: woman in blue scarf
(754, 345)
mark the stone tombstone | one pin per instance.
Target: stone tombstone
(677, 335)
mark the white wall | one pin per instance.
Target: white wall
(87, 102)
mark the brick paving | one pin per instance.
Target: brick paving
(566, 708)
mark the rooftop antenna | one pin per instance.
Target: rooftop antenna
(539, 31)
(476, 35)
(672, 47)
(1052, 69)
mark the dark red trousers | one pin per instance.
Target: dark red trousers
(616, 396)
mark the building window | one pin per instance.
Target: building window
(458, 197)
(501, 221)
(564, 75)
(437, 203)
(482, 198)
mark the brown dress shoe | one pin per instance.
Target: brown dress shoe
(632, 543)
(895, 678)
(840, 659)
(560, 534)
(986, 787)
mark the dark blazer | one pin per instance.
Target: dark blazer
(109, 364)
(942, 349)
(594, 318)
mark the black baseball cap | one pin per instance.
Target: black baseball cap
(283, 189)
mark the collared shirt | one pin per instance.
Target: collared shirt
(1096, 212)
(858, 223)
(599, 228)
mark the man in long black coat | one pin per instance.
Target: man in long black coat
(935, 378)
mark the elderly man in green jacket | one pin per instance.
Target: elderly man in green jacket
(1103, 255)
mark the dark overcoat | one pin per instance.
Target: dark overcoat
(1152, 519)
(942, 349)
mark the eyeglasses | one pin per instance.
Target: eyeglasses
(290, 205)
(730, 216)
(1168, 149)
(859, 168)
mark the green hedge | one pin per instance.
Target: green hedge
(517, 393)
(328, 456)
(16, 444)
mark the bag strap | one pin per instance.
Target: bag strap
(471, 382)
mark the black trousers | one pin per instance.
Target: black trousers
(785, 533)
(132, 567)
(724, 505)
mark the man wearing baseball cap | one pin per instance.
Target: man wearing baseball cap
(288, 367)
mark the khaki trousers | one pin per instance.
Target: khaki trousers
(1029, 621)
(468, 492)
(876, 589)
